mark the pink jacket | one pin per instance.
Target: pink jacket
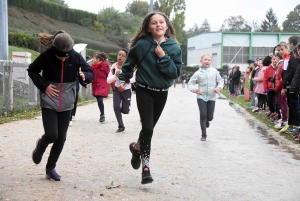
(259, 86)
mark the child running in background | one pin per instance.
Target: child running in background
(156, 54)
(121, 100)
(100, 88)
(206, 83)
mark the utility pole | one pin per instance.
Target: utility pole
(3, 30)
(151, 6)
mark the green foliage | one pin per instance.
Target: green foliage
(61, 2)
(113, 56)
(292, 22)
(236, 23)
(270, 23)
(111, 20)
(137, 8)
(87, 22)
(169, 6)
(57, 10)
(178, 24)
(23, 40)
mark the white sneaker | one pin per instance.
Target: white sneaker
(281, 125)
(70, 123)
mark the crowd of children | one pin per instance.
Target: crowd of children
(274, 82)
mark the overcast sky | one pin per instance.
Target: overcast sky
(215, 11)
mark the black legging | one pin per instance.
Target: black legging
(55, 126)
(271, 101)
(262, 100)
(150, 105)
(121, 105)
(206, 110)
(292, 94)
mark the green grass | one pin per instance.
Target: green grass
(11, 49)
(259, 116)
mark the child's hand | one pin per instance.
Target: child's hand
(117, 73)
(217, 90)
(159, 52)
(121, 88)
(81, 74)
(197, 90)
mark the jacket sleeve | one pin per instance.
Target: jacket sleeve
(86, 70)
(220, 81)
(171, 65)
(192, 82)
(291, 69)
(111, 78)
(266, 80)
(34, 70)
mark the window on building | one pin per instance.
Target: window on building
(235, 54)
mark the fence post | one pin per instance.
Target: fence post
(8, 87)
(32, 94)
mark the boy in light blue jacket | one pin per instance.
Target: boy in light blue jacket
(206, 83)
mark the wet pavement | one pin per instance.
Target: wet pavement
(241, 160)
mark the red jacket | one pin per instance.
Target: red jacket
(278, 85)
(99, 84)
(269, 73)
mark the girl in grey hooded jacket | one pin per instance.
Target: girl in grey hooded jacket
(206, 83)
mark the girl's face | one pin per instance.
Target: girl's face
(121, 57)
(274, 60)
(298, 51)
(95, 60)
(283, 50)
(157, 26)
(205, 61)
(259, 63)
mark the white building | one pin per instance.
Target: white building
(233, 48)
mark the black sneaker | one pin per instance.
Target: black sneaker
(136, 156)
(146, 176)
(52, 174)
(207, 124)
(120, 130)
(37, 153)
(102, 118)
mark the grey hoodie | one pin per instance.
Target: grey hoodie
(207, 79)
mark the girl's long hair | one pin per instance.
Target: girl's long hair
(60, 40)
(143, 33)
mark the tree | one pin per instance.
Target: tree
(61, 2)
(139, 8)
(178, 24)
(292, 22)
(111, 19)
(270, 23)
(169, 6)
(235, 23)
(205, 27)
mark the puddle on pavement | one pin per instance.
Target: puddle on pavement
(264, 132)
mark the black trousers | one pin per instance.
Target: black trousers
(292, 94)
(150, 105)
(55, 126)
(121, 105)
(271, 101)
(206, 110)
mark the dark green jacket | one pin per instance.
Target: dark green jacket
(152, 71)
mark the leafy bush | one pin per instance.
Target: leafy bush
(23, 40)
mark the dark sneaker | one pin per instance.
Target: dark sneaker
(120, 130)
(136, 156)
(52, 174)
(37, 153)
(102, 118)
(207, 124)
(146, 176)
